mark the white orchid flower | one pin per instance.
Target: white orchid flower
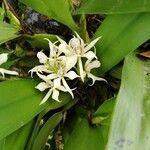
(3, 59)
(54, 88)
(61, 69)
(59, 66)
(43, 59)
(89, 65)
(57, 70)
(79, 49)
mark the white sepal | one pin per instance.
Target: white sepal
(5, 71)
(90, 55)
(42, 86)
(55, 95)
(46, 96)
(67, 87)
(42, 57)
(91, 65)
(70, 62)
(89, 46)
(81, 71)
(94, 78)
(71, 75)
(3, 58)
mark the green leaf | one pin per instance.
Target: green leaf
(116, 72)
(59, 10)
(106, 108)
(39, 118)
(130, 126)
(46, 130)
(9, 63)
(113, 6)
(85, 137)
(10, 14)
(103, 116)
(18, 139)
(2, 12)
(19, 103)
(37, 40)
(121, 34)
(7, 32)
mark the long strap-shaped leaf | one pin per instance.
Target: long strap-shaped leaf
(46, 130)
(85, 137)
(7, 32)
(113, 6)
(131, 119)
(58, 10)
(20, 103)
(121, 34)
(18, 139)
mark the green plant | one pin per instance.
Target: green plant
(111, 115)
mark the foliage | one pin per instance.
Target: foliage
(110, 115)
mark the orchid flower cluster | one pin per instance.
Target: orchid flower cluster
(3, 59)
(65, 61)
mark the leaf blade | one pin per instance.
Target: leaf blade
(18, 139)
(124, 38)
(88, 137)
(54, 10)
(113, 6)
(7, 32)
(128, 124)
(46, 130)
(16, 109)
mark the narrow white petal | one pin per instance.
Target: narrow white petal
(2, 72)
(89, 55)
(5, 71)
(71, 75)
(53, 52)
(61, 88)
(3, 58)
(81, 71)
(50, 43)
(81, 40)
(52, 76)
(11, 72)
(55, 95)
(40, 68)
(70, 62)
(94, 78)
(84, 74)
(91, 65)
(64, 49)
(61, 40)
(58, 52)
(67, 87)
(53, 49)
(42, 57)
(89, 46)
(50, 47)
(46, 96)
(42, 86)
(44, 78)
(57, 82)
